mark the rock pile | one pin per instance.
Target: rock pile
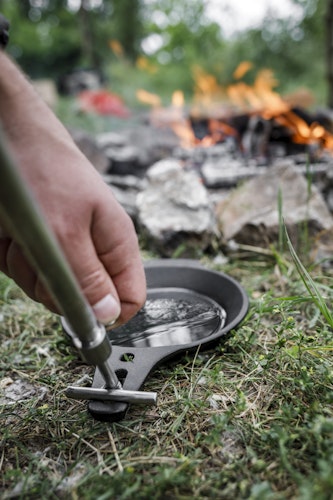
(185, 202)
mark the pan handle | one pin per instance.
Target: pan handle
(132, 365)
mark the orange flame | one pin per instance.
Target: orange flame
(242, 69)
(260, 97)
(148, 98)
(178, 100)
(217, 103)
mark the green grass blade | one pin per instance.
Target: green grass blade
(310, 285)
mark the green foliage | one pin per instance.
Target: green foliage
(48, 38)
(127, 26)
(185, 38)
(310, 285)
(293, 49)
(43, 42)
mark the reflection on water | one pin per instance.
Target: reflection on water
(171, 317)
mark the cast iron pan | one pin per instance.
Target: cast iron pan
(187, 306)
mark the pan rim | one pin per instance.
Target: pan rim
(196, 268)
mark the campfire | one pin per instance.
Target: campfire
(173, 168)
(259, 121)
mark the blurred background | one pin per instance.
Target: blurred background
(141, 50)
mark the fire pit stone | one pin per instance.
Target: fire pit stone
(175, 210)
(250, 214)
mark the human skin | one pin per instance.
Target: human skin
(94, 232)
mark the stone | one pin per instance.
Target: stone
(90, 148)
(125, 189)
(227, 172)
(124, 161)
(127, 199)
(152, 144)
(251, 214)
(14, 391)
(111, 139)
(174, 210)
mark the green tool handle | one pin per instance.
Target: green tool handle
(26, 224)
(24, 220)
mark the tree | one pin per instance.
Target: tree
(184, 38)
(127, 27)
(294, 48)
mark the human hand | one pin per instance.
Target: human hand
(95, 233)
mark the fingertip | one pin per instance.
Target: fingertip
(107, 310)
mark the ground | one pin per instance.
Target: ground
(251, 418)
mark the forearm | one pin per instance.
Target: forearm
(31, 128)
(18, 98)
(95, 233)
(12, 80)
(19, 102)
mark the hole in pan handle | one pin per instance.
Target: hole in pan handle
(187, 306)
(131, 374)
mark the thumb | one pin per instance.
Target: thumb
(107, 309)
(97, 286)
(94, 280)
(107, 264)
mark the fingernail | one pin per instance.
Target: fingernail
(107, 309)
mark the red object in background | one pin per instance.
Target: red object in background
(102, 102)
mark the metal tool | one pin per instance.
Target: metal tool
(121, 395)
(188, 307)
(25, 222)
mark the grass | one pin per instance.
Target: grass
(251, 419)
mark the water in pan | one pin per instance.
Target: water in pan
(171, 317)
